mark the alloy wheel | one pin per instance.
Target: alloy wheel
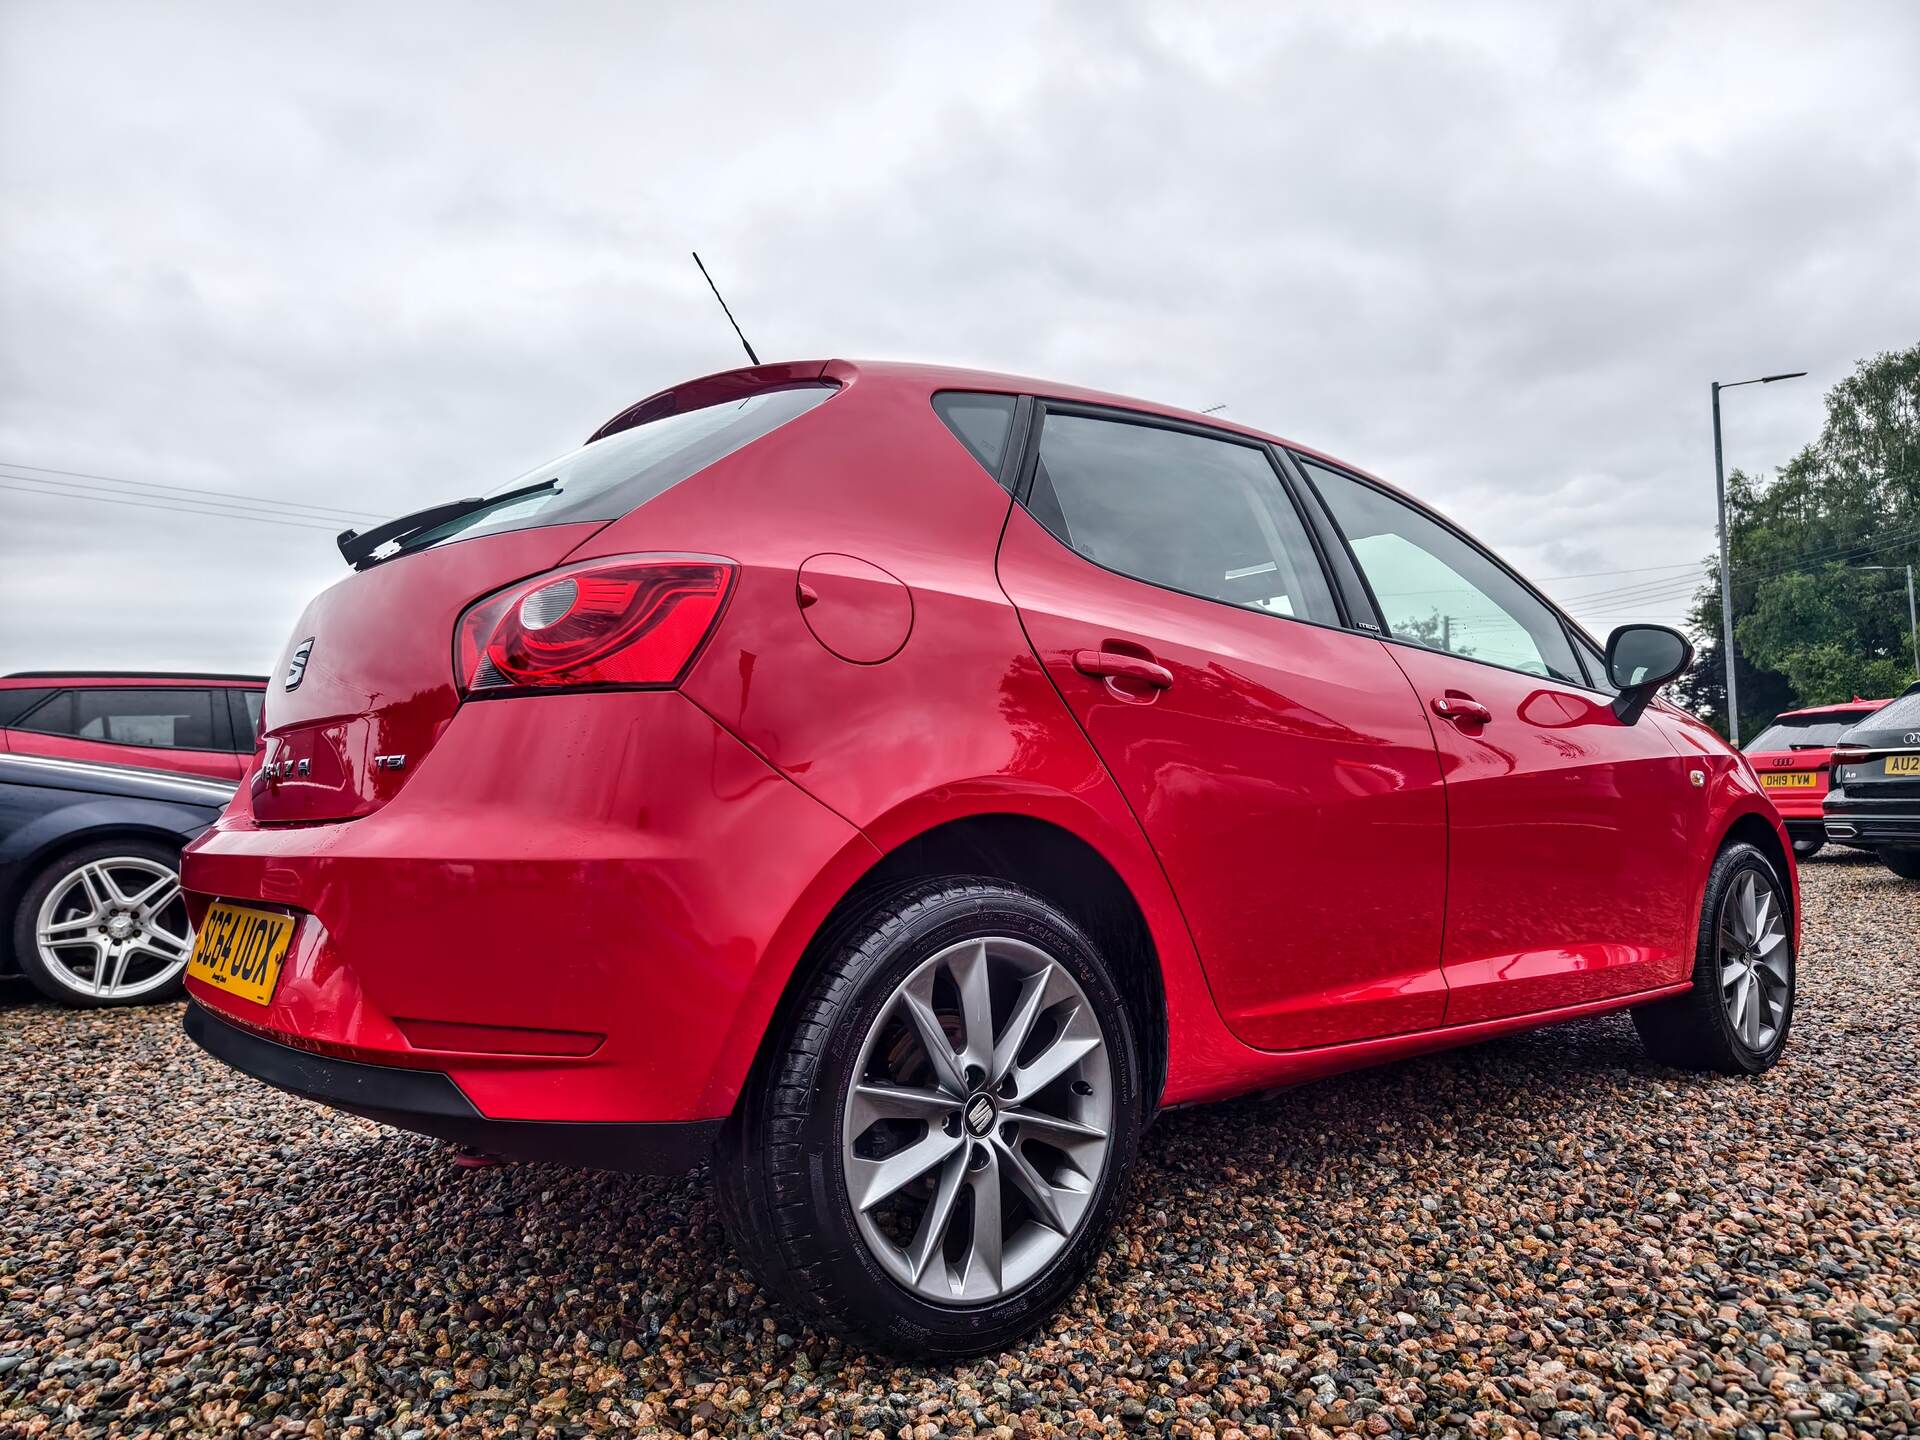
(114, 928)
(978, 1122)
(1756, 977)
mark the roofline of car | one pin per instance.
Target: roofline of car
(75, 676)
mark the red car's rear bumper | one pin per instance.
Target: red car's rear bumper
(599, 937)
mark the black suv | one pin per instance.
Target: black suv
(1875, 800)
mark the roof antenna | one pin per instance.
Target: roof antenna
(723, 305)
(1214, 409)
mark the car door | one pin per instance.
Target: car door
(148, 727)
(1278, 761)
(1569, 874)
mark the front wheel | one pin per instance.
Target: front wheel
(929, 1155)
(1736, 1017)
(1904, 863)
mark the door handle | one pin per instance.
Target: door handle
(1111, 665)
(1462, 710)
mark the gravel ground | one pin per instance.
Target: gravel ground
(1540, 1235)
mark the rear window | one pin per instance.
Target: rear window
(1799, 731)
(607, 478)
(1905, 710)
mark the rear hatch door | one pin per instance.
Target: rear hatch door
(366, 686)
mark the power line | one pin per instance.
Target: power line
(13, 482)
(222, 495)
(1891, 541)
(1596, 574)
(74, 490)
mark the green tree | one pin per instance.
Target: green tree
(1810, 626)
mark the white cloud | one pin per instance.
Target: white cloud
(371, 257)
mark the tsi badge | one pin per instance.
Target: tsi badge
(297, 663)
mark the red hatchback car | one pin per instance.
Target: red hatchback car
(1794, 759)
(188, 724)
(898, 783)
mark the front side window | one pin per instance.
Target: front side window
(168, 719)
(1203, 516)
(1595, 660)
(1437, 590)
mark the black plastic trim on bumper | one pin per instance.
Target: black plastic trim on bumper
(1872, 825)
(429, 1103)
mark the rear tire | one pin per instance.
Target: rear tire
(104, 924)
(1904, 863)
(1808, 848)
(1020, 1136)
(1736, 1017)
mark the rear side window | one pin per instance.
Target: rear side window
(246, 719)
(1438, 591)
(14, 704)
(982, 423)
(167, 719)
(1203, 516)
(608, 478)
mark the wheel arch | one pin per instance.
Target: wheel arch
(1041, 856)
(1766, 836)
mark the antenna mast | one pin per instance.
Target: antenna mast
(723, 305)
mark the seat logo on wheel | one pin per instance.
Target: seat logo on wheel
(980, 1115)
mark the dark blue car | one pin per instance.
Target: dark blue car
(90, 906)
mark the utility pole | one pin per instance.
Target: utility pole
(1726, 582)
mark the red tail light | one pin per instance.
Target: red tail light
(635, 621)
(1847, 755)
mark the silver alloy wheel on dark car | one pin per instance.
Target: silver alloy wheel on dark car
(114, 928)
(1755, 981)
(978, 1122)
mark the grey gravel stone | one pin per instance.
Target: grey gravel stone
(1545, 1234)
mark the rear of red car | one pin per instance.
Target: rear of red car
(460, 889)
(1793, 758)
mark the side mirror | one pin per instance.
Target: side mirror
(1640, 659)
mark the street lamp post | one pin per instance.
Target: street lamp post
(1913, 616)
(1726, 583)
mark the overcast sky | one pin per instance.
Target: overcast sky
(364, 258)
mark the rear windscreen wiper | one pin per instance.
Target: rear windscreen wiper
(357, 546)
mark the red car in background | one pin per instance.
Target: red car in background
(1793, 758)
(189, 724)
(895, 783)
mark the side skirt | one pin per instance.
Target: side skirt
(1275, 1069)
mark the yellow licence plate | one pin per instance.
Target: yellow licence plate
(241, 950)
(1789, 780)
(1903, 764)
